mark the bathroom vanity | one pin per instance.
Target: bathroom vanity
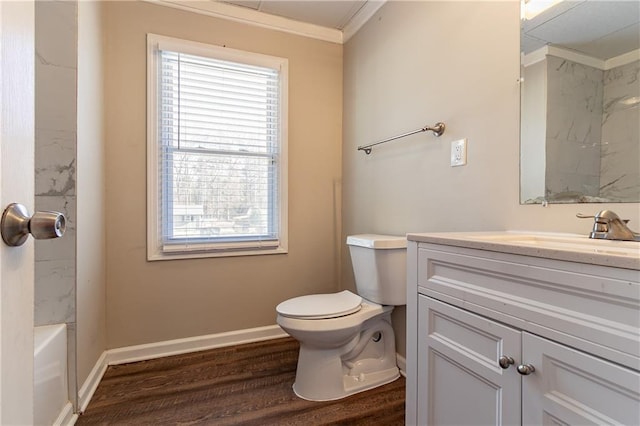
(517, 328)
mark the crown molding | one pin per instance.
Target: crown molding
(360, 18)
(540, 54)
(253, 17)
(624, 59)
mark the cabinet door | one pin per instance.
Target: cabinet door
(460, 381)
(573, 388)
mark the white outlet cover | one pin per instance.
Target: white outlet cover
(459, 153)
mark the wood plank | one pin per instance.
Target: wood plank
(245, 384)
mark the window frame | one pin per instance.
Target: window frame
(156, 248)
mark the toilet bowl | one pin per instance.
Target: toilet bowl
(347, 344)
(342, 355)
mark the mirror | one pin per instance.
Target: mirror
(580, 102)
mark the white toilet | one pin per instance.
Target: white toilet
(346, 341)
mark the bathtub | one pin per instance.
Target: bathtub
(50, 373)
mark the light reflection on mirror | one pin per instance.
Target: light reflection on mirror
(580, 102)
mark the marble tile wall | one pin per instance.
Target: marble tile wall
(620, 166)
(55, 167)
(55, 156)
(574, 111)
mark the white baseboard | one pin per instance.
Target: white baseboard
(192, 344)
(91, 383)
(171, 347)
(66, 417)
(402, 364)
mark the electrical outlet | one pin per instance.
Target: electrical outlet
(459, 153)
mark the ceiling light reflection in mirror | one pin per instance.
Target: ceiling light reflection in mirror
(533, 8)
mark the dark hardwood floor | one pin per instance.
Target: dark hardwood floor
(245, 384)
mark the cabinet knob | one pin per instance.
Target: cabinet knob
(505, 361)
(526, 369)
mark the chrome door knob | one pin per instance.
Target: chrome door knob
(505, 361)
(16, 225)
(525, 369)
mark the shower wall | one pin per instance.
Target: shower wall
(620, 167)
(574, 128)
(55, 167)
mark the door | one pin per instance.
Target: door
(16, 185)
(574, 388)
(460, 379)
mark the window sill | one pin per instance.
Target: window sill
(221, 253)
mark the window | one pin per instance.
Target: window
(216, 151)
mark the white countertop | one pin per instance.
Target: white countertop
(567, 247)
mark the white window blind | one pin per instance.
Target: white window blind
(219, 153)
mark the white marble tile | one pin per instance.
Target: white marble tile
(55, 98)
(55, 292)
(620, 168)
(62, 248)
(621, 84)
(620, 171)
(55, 166)
(572, 167)
(574, 100)
(56, 23)
(574, 133)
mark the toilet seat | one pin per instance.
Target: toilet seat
(321, 306)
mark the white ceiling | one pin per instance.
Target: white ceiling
(334, 14)
(600, 29)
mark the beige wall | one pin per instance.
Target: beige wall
(90, 239)
(155, 301)
(416, 63)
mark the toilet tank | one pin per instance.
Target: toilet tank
(380, 267)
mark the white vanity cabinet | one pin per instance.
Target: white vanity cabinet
(574, 388)
(459, 379)
(474, 316)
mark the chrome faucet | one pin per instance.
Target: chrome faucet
(609, 226)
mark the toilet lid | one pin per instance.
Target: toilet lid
(320, 306)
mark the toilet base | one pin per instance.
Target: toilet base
(353, 385)
(368, 361)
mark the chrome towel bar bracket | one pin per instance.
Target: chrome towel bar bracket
(437, 129)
